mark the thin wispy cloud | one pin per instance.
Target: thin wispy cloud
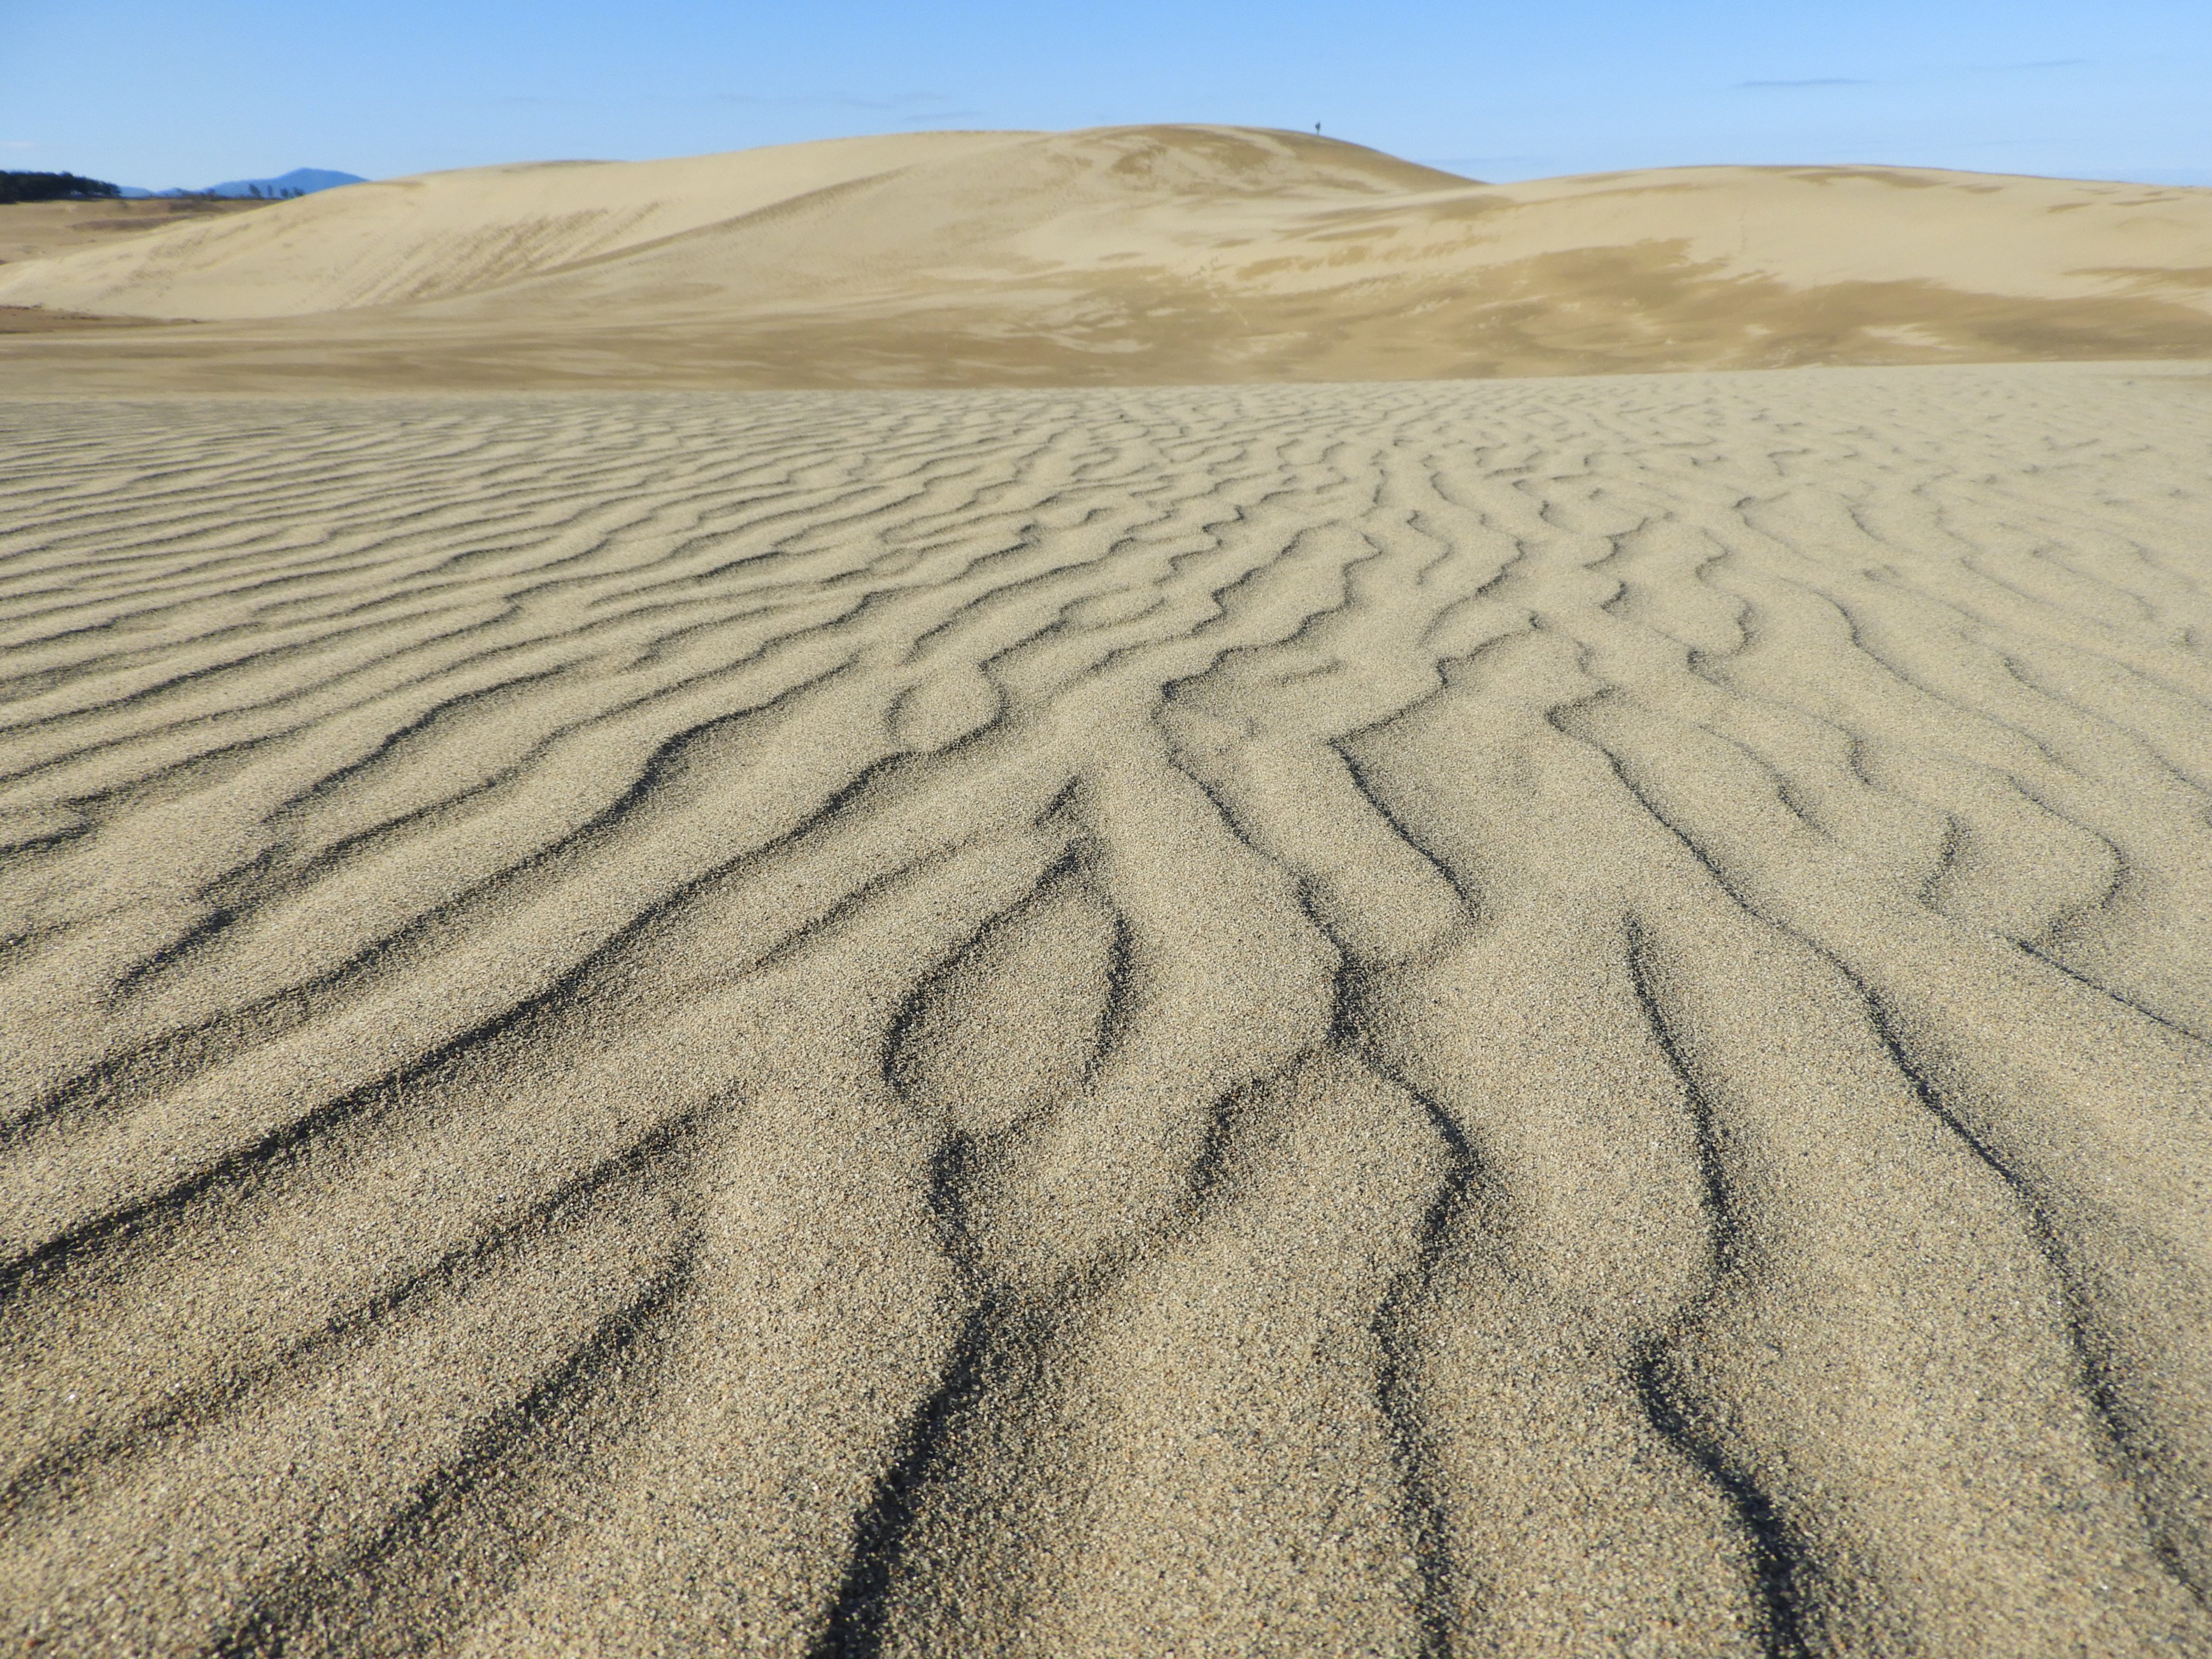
(898, 108)
(1812, 82)
(907, 103)
(2012, 68)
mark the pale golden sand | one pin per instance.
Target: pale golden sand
(1123, 256)
(1545, 1018)
(38, 230)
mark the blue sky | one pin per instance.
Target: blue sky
(154, 93)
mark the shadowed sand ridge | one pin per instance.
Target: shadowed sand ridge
(1115, 256)
(1529, 1019)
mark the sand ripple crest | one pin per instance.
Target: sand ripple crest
(1559, 1018)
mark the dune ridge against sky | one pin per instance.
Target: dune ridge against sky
(1120, 255)
(244, 88)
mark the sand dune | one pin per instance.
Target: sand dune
(36, 230)
(1543, 1018)
(457, 233)
(1121, 256)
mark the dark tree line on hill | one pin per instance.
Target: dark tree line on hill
(53, 187)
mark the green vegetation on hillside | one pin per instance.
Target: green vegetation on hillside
(52, 187)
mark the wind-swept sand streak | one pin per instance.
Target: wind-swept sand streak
(1535, 1018)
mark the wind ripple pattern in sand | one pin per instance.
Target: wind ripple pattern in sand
(1545, 1017)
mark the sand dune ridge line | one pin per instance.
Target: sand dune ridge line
(1168, 254)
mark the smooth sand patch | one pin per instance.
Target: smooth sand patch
(1543, 1018)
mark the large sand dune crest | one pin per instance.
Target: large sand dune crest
(404, 239)
(1536, 1019)
(1141, 255)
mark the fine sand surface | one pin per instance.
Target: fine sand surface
(1115, 257)
(38, 230)
(1526, 1018)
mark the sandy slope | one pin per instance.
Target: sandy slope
(1549, 1018)
(1122, 256)
(36, 230)
(423, 238)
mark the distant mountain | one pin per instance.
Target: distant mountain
(306, 181)
(300, 181)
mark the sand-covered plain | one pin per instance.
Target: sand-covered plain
(1530, 1018)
